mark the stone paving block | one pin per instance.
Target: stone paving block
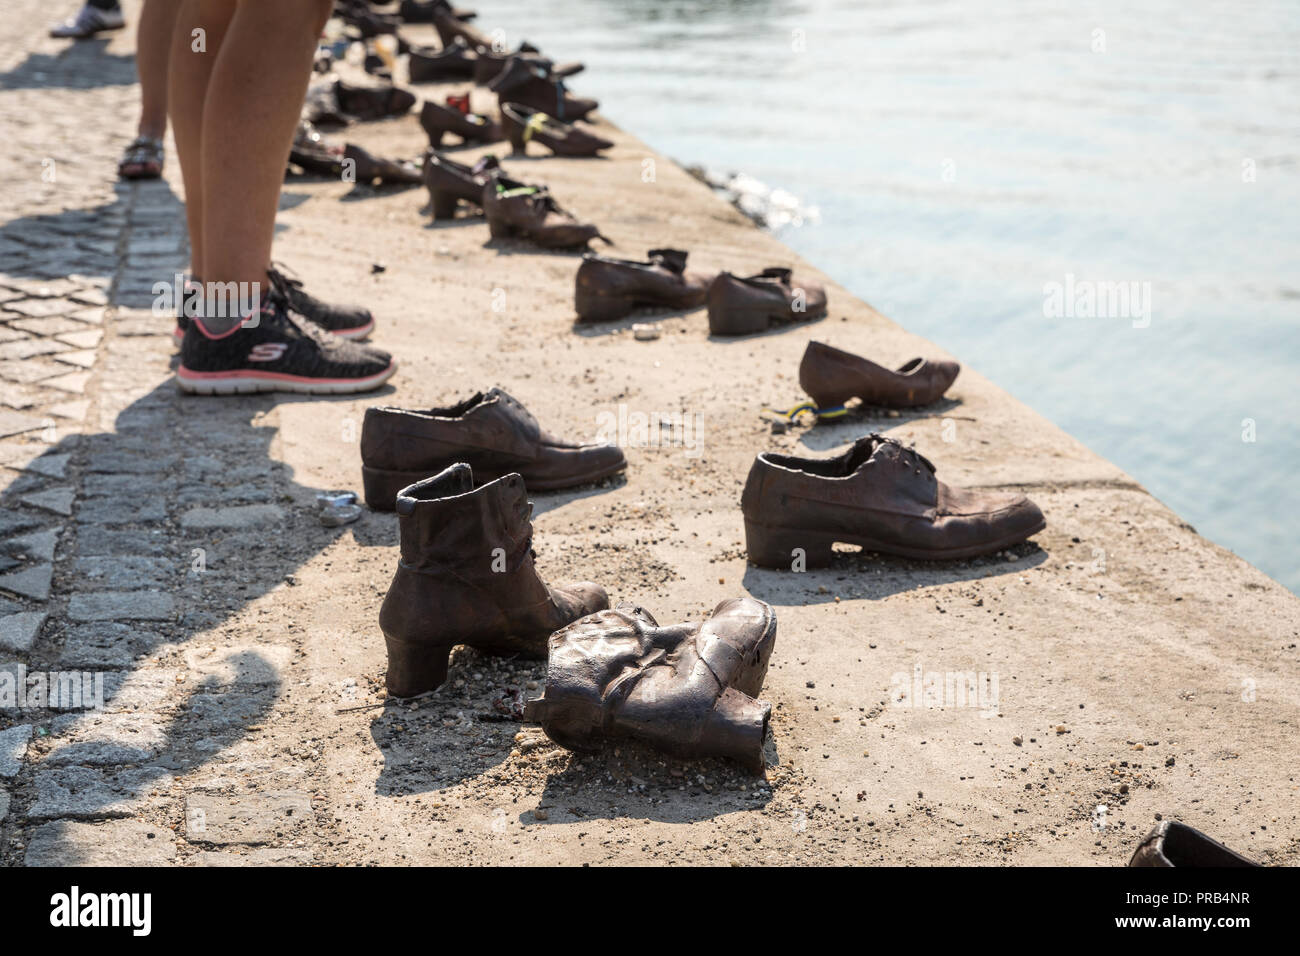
(51, 466)
(230, 711)
(18, 631)
(90, 297)
(76, 410)
(246, 818)
(27, 347)
(119, 462)
(144, 690)
(31, 582)
(106, 645)
(4, 804)
(100, 740)
(13, 748)
(30, 370)
(93, 316)
(139, 509)
(113, 843)
(58, 500)
(84, 358)
(121, 572)
(39, 545)
(43, 315)
(74, 382)
(47, 288)
(120, 606)
(88, 793)
(82, 339)
(102, 539)
(244, 516)
(16, 423)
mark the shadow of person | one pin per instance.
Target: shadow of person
(83, 65)
(146, 544)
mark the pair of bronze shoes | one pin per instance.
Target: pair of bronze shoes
(523, 125)
(438, 120)
(534, 81)
(606, 288)
(467, 576)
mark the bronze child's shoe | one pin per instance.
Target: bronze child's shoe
(438, 120)
(1176, 844)
(491, 432)
(878, 495)
(367, 168)
(688, 689)
(607, 289)
(449, 182)
(742, 306)
(535, 83)
(466, 576)
(513, 208)
(524, 125)
(832, 376)
(454, 62)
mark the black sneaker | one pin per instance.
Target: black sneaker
(277, 353)
(345, 321)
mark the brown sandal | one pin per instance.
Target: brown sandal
(143, 159)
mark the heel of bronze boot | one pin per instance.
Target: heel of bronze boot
(517, 142)
(601, 308)
(499, 230)
(415, 668)
(381, 487)
(787, 548)
(443, 203)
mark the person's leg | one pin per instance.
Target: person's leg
(153, 50)
(254, 101)
(190, 66)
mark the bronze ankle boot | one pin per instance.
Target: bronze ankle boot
(466, 576)
(688, 690)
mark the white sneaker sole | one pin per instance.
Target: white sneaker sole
(247, 382)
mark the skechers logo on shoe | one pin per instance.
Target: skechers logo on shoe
(267, 352)
(74, 909)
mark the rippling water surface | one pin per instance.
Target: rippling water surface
(963, 155)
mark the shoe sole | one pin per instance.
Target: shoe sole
(248, 382)
(775, 547)
(178, 334)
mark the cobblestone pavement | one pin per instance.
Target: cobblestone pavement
(98, 574)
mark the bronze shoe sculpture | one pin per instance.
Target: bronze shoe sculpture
(453, 62)
(466, 576)
(438, 120)
(313, 153)
(523, 125)
(491, 62)
(832, 376)
(372, 102)
(368, 168)
(513, 209)
(878, 495)
(451, 23)
(491, 432)
(606, 288)
(743, 306)
(420, 11)
(1171, 843)
(688, 690)
(449, 182)
(535, 83)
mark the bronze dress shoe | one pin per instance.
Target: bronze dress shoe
(743, 306)
(368, 168)
(490, 62)
(688, 690)
(878, 495)
(454, 62)
(1176, 844)
(491, 431)
(466, 576)
(313, 153)
(523, 125)
(438, 120)
(832, 376)
(451, 23)
(449, 182)
(515, 209)
(421, 11)
(534, 83)
(372, 102)
(607, 289)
